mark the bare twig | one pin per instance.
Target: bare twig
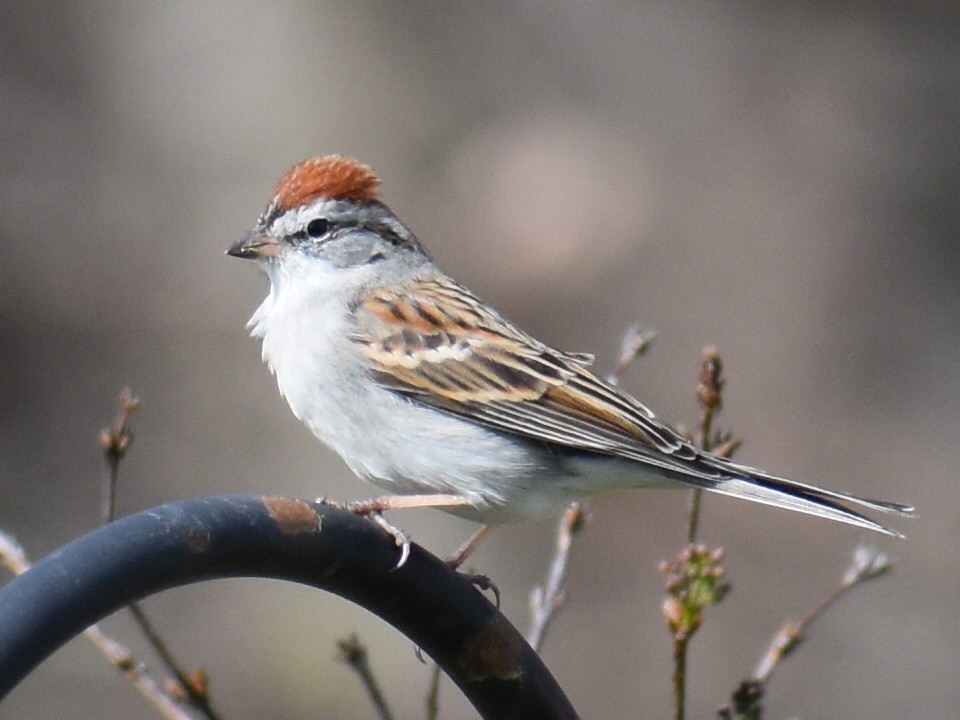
(433, 694)
(867, 564)
(193, 687)
(166, 702)
(745, 701)
(695, 581)
(710, 394)
(680, 645)
(13, 557)
(710, 397)
(115, 441)
(636, 341)
(693, 514)
(354, 654)
(547, 599)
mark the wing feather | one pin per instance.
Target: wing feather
(437, 342)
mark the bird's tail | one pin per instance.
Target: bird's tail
(751, 484)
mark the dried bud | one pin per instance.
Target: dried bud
(200, 681)
(710, 387)
(175, 690)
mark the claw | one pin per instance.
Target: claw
(483, 583)
(373, 509)
(399, 537)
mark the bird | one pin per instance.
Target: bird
(428, 392)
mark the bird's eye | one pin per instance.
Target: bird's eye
(317, 228)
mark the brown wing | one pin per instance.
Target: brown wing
(438, 344)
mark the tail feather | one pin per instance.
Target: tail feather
(749, 489)
(750, 484)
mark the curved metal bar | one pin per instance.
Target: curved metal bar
(313, 544)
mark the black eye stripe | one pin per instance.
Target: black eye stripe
(384, 232)
(315, 230)
(319, 230)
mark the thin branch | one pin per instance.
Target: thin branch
(547, 599)
(354, 655)
(710, 394)
(636, 341)
(136, 672)
(867, 564)
(12, 555)
(693, 514)
(195, 685)
(680, 645)
(433, 694)
(14, 558)
(745, 701)
(695, 581)
(710, 397)
(115, 441)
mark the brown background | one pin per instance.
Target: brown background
(780, 182)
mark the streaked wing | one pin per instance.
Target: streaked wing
(436, 342)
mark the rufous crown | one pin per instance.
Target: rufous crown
(332, 176)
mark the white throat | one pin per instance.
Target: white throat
(303, 323)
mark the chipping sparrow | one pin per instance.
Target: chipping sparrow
(428, 392)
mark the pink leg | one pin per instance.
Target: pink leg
(401, 502)
(472, 543)
(375, 506)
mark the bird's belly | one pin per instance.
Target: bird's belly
(409, 449)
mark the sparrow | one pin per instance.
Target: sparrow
(425, 390)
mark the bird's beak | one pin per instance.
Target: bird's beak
(255, 245)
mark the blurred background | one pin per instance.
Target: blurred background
(780, 180)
